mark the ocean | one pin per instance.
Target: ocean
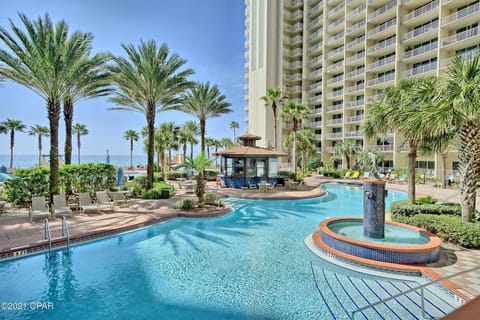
(27, 161)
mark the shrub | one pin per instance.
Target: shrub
(425, 200)
(448, 227)
(185, 204)
(152, 194)
(330, 173)
(212, 198)
(172, 175)
(402, 208)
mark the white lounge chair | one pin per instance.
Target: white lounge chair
(86, 202)
(60, 207)
(39, 208)
(103, 200)
(120, 196)
(251, 185)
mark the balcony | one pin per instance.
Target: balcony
(292, 53)
(315, 61)
(333, 109)
(453, 20)
(336, 11)
(315, 74)
(293, 41)
(355, 89)
(294, 65)
(382, 147)
(353, 119)
(316, 48)
(334, 135)
(385, 12)
(316, 35)
(337, 25)
(422, 14)
(420, 53)
(354, 104)
(315, 22)
(425, 32)
(383, 30)
(296, 89)
(298, 27)
(382, 47)
(381, 80)
(355, 74)
(355, 13)
(421, 70)
(353, 134)
(357, 28)
(315, 86)
(314, 124)
(354, 45)
(381, 64)
(318, 8)
(336, 67)
(293, 3)
(462, 39)
(334, 80)
(317, 112)
(315, 99)
(294, 15)
(337, 39)
(336, 54)
(335, 94)
(293, 77)
(357, 59)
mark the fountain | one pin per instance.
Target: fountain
(371, 239)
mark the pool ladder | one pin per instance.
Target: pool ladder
(65, 233)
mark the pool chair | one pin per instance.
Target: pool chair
(120, 197)
(86, 203)
(355, 175)
(366, 174)
(347, 175)
(103, 200)
(251, 185)
(39, 208)
(60, 207)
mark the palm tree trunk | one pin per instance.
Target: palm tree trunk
(78, 147)
(412, 156)
(68, 119)
(162, 162)
(131, 153)
(12, 143)
(191, 150)
(274, 109)
(151, 141)
(202, 134)
(469, 168)
(39, 150)
(184, 151)
(444, 169)
(53, 118)
(295, 153)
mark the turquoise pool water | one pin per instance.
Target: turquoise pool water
(251, 264)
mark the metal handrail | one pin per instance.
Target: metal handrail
(421, 287)
(48, 235)
(65, 231)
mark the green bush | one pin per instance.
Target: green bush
(402, 208)
(213, 198)
(448, 227)
(330, 173)
(152, 194)
(173, 175)
(185, 204)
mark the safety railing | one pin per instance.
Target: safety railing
(48, 235)
(65, 231)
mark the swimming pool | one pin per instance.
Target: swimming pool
(251, 264)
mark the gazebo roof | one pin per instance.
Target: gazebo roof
(245, 151)
(249, 136)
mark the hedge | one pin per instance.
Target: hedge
(402, 208)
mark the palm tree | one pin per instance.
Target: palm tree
(203, 102)
(346, 148)
(131, 135)
(305, 144)
(151, 80)
(399, 110)
(209, 142)
(12, 125)
(234, 125)
(226, 143)
(191, 128)
(79, 130)
(41, 58)
(274, 99)
(459, 106)
(40, 131)
(295, 113)
(199, 164)
(88, 79)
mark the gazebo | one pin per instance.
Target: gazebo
(248, 164)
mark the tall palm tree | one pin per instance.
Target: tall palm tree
(88, 79)
(79, 130)
(41, 58)
(274, 99)
(198, 164)
(398, 110)
(191, 128)
(149, 81)
(234, 125)
(295, 113)
(10, 126)
(226, 143)
(305, 144)
(209, 142)
(346, 148)
(459, 106)
(40, 131)
(204, 102)
(131, 135)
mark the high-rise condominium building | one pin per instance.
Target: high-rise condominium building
(338, 56)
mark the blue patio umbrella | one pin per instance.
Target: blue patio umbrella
(6, 176)
(120, 176)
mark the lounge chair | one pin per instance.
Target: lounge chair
(355, 175)
(120, 196)
(347, 175)
(60, 207)
(39, 208)
(251, 185)
(366, 174)
(103, 200)
(86, 202)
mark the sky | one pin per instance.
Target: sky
(209, 34)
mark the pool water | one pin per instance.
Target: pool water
(251, 264)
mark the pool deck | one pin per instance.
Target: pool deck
(17, 233)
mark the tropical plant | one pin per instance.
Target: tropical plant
(41, 58)
(204, 102)
(150, 80)
(274, 99)
(191, 129)
(365, 161)
(40, 131)
(295, 113)
(79, 130)
(165, 139)
(131, 135)
(398, 110)
(458, 105)
(226, 143)
(199, 164)
(10, 126)
(234, 125)
(305, 144)
(346, 148)
(209, 142)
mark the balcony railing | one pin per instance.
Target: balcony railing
(419, 70)
(293, 77)
(382, 10)
(315, 99)
(315, 47)
(353, 43)
(317, 111)
(421, 50)
(461, 36)
(315, 73)
(336, 51)
(354, 73)
(381, 62)
(335, 79)
(423, 29)
(295, 15)
(357, 10)
(334, 135)
(314, 124)
(336, 37)
(332, 109)
(358, 56)
(294, 65)
(360, 86)
(356, 26)
(315, 9)
(382, 44)
(315, 60)
(335, 66)
(384, 26)
(316, 34)
(294, 40)
(315, 21)
(336, 9)
(336, 23)
(352, 134)
(381, 147)
(334, 94)
(293, 89)
(314, 86)
(420, 11)
(292, 53)
(354, 118)
(354, 104)
(460, 14)
(382, 79)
